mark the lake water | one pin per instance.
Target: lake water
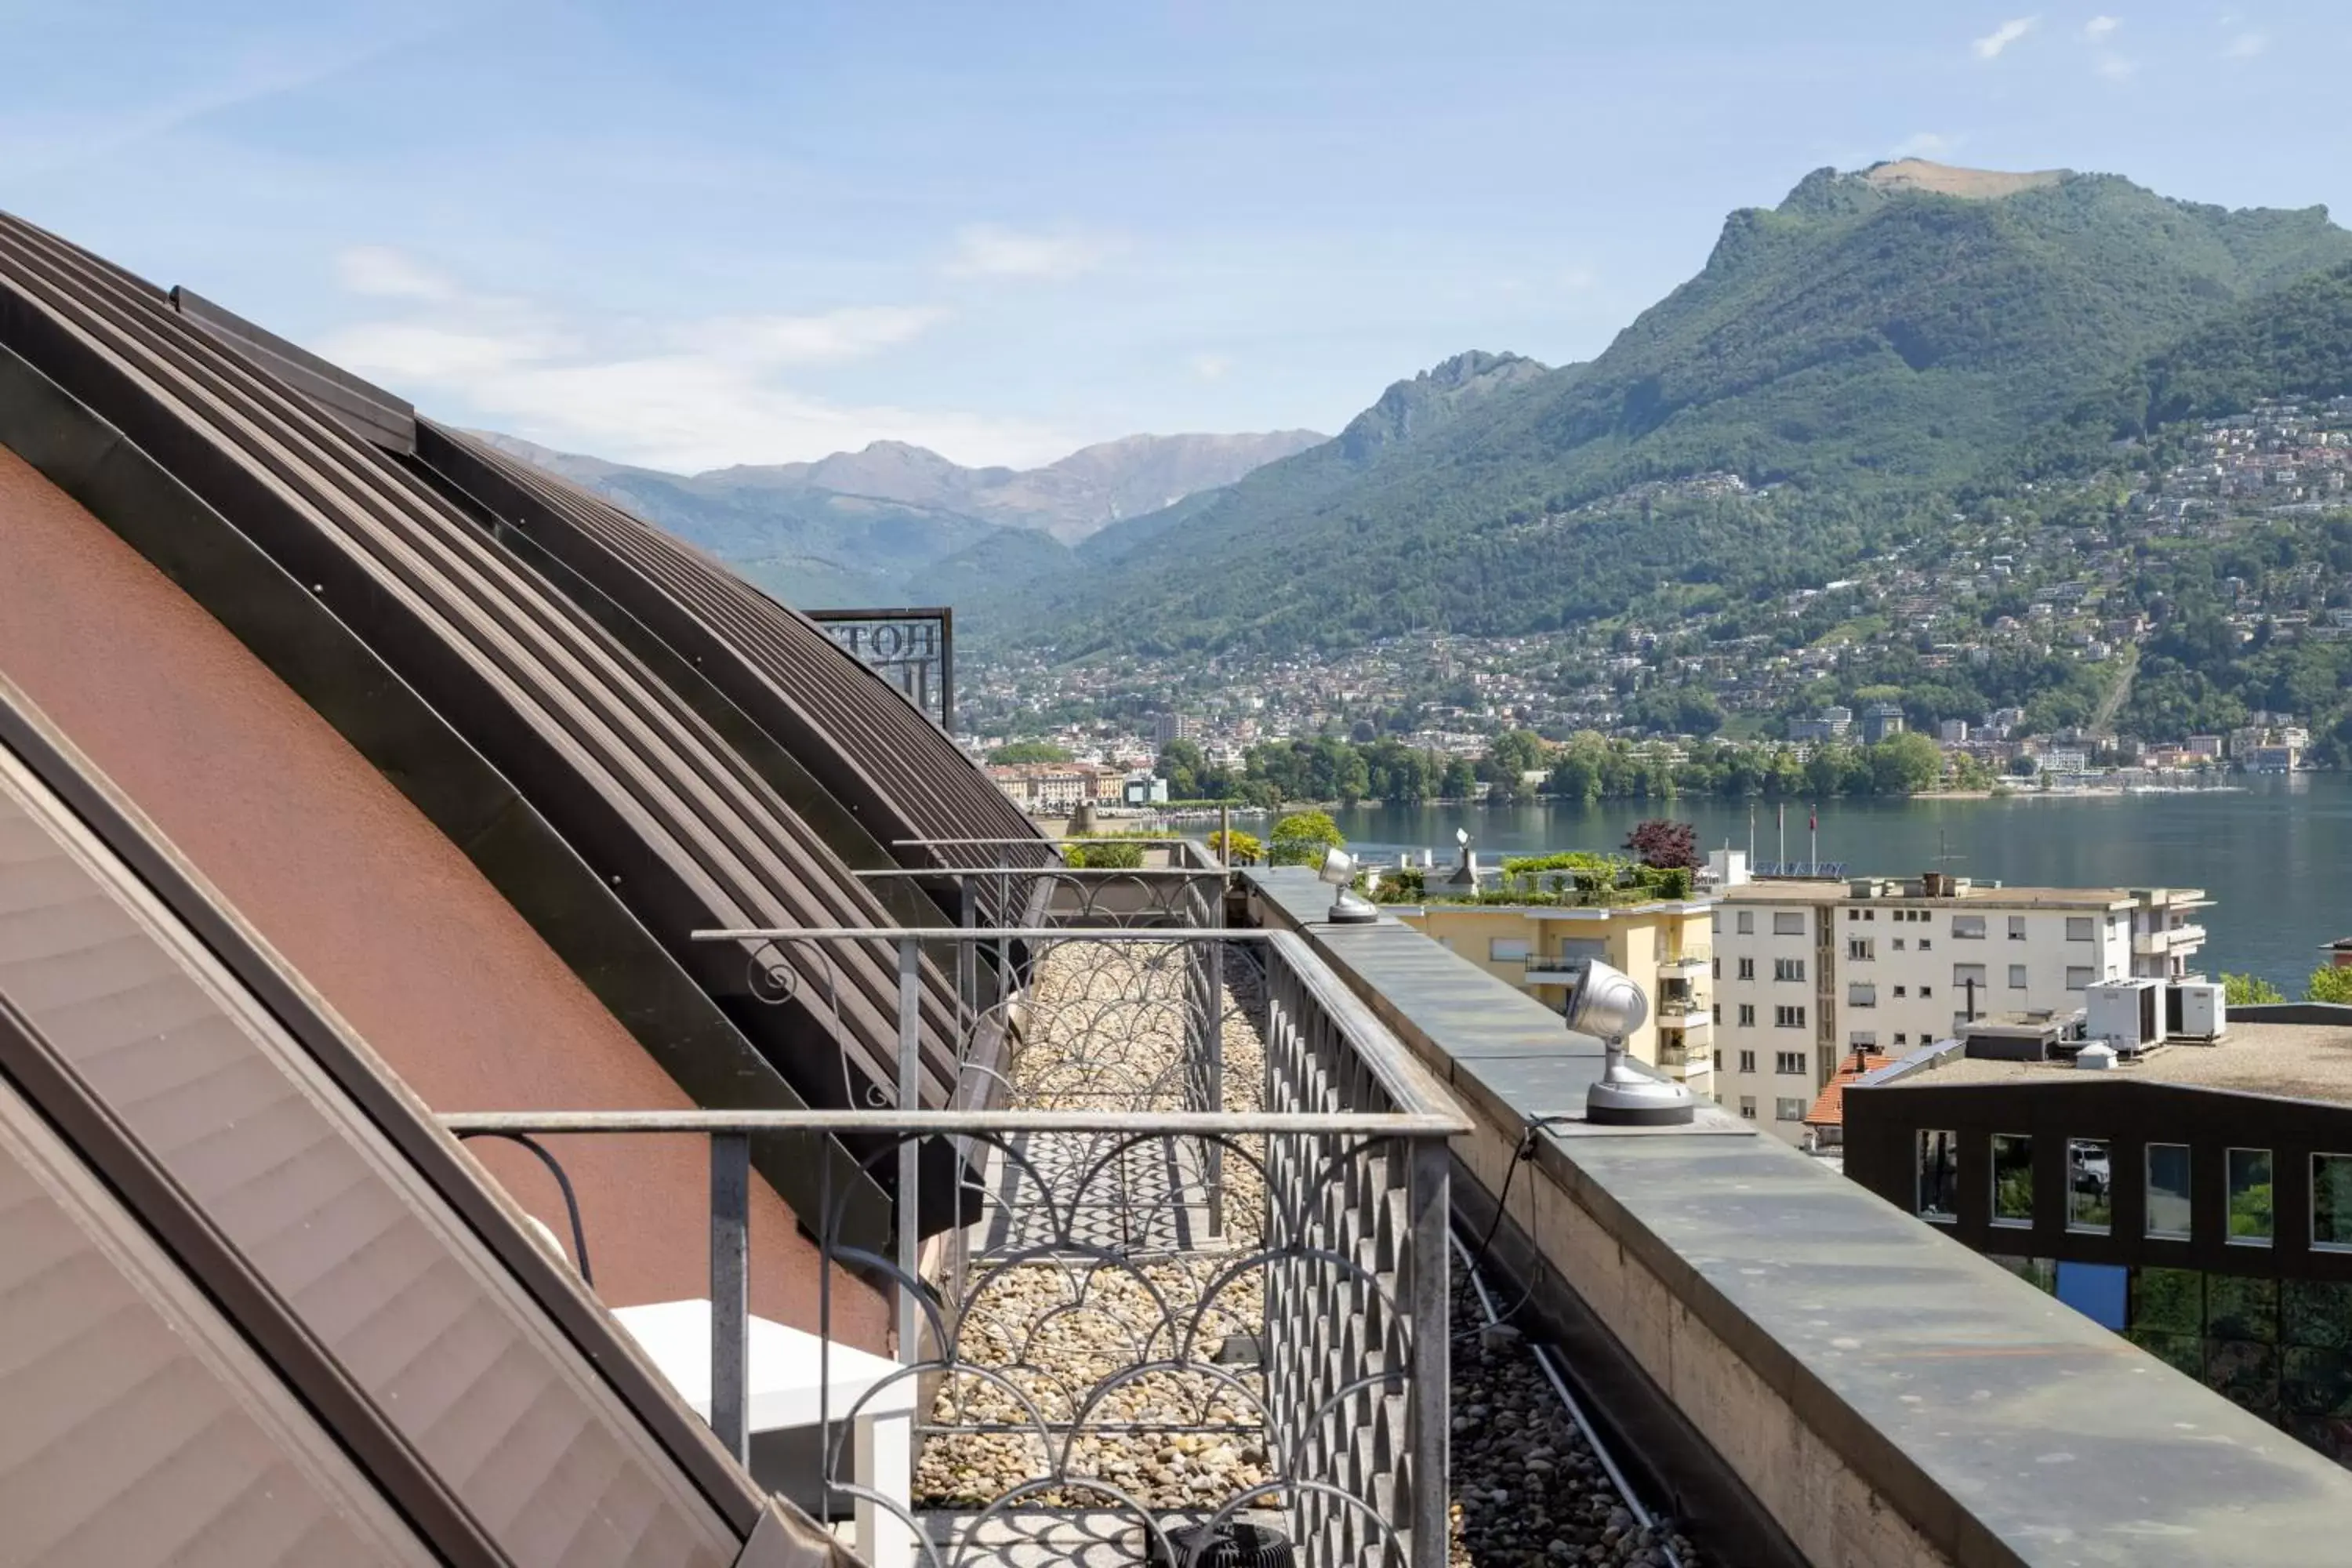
(2275, 858)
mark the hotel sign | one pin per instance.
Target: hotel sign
(914, 650)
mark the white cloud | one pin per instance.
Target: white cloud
(1991, 46)
(1210, 367)
(2115, 68)
(387, 273)
(849, 334)
(1926, 144)
(702, 394)
(2098, 28)
(991, 250)
(2246, 45)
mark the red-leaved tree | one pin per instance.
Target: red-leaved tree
(1663, 845)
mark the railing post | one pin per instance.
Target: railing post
(1432, 1376)
(910, 1066)
(730, 1260)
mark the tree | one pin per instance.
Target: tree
(1236, 847)
(2329, 984)
(1181, 763)
(1029, 752)
(2249, 990)
(1300, 838)
(1459, 782)
(1663, 845)
(1904, 765)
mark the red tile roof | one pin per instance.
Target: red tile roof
(1829, 1109)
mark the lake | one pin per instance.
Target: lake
(2275, 856)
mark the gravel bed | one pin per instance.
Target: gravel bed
(1527, 1486)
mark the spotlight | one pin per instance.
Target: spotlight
(1348, 908)
(1607, 1003)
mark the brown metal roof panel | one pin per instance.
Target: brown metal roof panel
(394, 1290)
(136, 1428)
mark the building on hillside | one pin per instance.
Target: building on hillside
(1169, 727)
(1051, 789)
(1881, 720)
(2197, 1197)
(1807, 973)
(1540, 949)
(1830, 725)
(1953, 732)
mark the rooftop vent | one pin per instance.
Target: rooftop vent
(2095, 1057)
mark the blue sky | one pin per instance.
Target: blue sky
(691, 234)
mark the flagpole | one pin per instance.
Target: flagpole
(1814, 839)
(1782, 857)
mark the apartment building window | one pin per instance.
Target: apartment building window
(1719, 1067)
(1747, 1061)
(1938, 1168)
(1901, 991)
(1858, 994)
(1968, 928)
(1925, 944)
(2250, 1197)
(1788, 1109)
(1901, 1038)
(1898, 944)
(1788, 1017)
(2078, 928)
(2167, 1190)
(1508, 950)
(1861, 947)
(1863, 1039)
(1966, 974)
(1791, 1063)
(2331, 1203)
(1747, 922)
(2090, 1188)
(1925, 992)
(1789, 969)
(1788, 922)
(2012, 1178)
(1746, 969)
(2077, 977)
(1715, 967)
(1747, 1108)
(1715, 1012)
(2017, 977)
(1747, 1017)
(2016, 928)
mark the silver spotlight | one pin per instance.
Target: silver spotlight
(1349, 907)
(1607, 1003)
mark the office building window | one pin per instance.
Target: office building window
(1969, 928)
(2167, 1190)
(1788, 1109)
(1788, 922)
(2016, 928)
(1747, 1108)
(1746, 969)
(1506, 949)
(1747, 1061)
(1789, 969)
(1788, 1017)
(1939, 1175)
(1748, 1014)
(2078, 928)
(2017, 977)
(1861, 947)
(2331, 1203)
(2012, 1178)
(2077, 976)
(2090, 1188)
(2250, 1221)
(1790, 1062)
(1745, 923)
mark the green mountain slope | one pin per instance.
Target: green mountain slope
(1864, 342)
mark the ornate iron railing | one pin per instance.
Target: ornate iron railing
(1198, 1270)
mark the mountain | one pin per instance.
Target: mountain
(1838, 357)
(895, 522)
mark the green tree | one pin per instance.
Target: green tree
(1181, 763)
(2249, 990)
(2329, 984)
(1906, 764)
(1236, 847)
(1460, 782)
(1029, 752)
(1300, 838)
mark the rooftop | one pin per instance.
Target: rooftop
(2294, 1061)
(1964, 892)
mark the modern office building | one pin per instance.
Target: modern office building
(2196, 1196)
(1807, 973)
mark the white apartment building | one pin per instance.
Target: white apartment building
(1807, 972)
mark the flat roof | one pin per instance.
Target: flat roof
(2294, 1061)
(1795, 891)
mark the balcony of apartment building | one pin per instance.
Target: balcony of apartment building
(2181, 936)
(1680, 1004)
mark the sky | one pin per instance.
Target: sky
(690, 234)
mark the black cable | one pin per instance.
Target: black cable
(1529, 1141)
(571, 1202)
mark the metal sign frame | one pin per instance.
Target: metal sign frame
(910, 673)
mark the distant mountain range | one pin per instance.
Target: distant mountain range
(875, 526)
(1875, 341)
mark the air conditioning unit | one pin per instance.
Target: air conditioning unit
(2128, 1014)
(2197, 1010)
